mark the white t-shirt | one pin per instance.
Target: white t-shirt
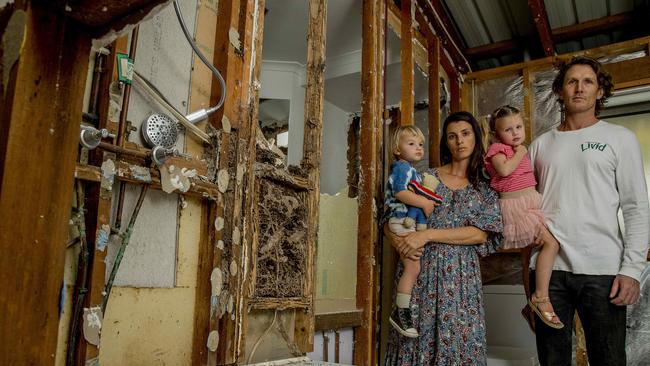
(584, 177)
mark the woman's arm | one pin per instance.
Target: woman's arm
(466, 235)
(397, 242)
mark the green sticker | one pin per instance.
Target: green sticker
(124, 68)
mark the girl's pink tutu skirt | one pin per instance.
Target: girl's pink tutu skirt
(522, 220)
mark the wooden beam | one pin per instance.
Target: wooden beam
(608, 50)
(98, 203)
(494, 49)
(562, 34)
(434, 100)
(419, 42)
(40, 116)
(454, 83)
(234, 60)
(538, 11)
(442, 26)
(372, 105)
(529, 104)
(338, 320)
(106, 14)
(630, 73)
(595, 26)
(406, 56)
(311, 161)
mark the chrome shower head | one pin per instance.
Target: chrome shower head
(160, 130)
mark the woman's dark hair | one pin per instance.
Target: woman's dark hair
(603, 77)
(476, 164)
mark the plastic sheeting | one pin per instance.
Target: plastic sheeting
(493, 93)
(638, 325)
(490, 94)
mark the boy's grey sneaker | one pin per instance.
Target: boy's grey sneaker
(401, 320)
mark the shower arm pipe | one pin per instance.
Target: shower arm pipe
(207, 63)
(181, 118)
(126, 237)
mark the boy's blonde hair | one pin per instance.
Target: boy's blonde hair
(401, 131)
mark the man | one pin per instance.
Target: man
(587, 169)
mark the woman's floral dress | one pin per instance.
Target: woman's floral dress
(447, 299)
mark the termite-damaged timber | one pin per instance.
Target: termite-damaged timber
(371, 135)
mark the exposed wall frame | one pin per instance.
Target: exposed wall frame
(406, 55)
(371, 131)
(239, 64)
(41, 110)
(311, 161)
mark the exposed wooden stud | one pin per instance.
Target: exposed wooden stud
(454, 84)
(419, 42)
(337, 346)
(98, 204)
(406, 56)
(313, 140)
(443, 28)
(41, 111)
(538, 11)
(529, 106)
(434, 100)
(235, 62)
(466, 92)
(202, 297)
(202, 79)
(371, 131)
(445, 61)
(251, 235)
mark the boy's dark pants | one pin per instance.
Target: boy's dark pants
(603, 322)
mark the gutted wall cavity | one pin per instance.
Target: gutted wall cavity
(281, 253)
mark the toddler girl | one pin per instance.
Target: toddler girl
(512, 176)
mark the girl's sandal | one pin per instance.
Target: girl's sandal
(545, 316)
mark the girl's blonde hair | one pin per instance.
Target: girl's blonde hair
(401, 131)
(503, 111)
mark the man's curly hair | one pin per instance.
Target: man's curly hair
(604, 79)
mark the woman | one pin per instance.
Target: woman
(447, 299)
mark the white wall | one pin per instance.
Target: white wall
(346, 345)
(334, 172)
(286, 80)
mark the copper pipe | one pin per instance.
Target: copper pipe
(127, 92)
(123, 151)
(122, 126)
(94, 93)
